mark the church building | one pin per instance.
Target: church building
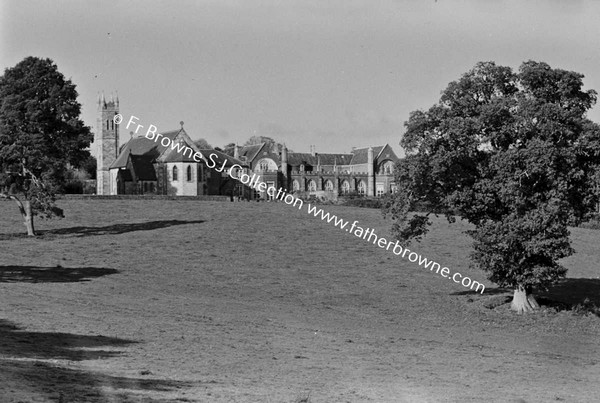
(142, 166)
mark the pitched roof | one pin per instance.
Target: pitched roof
(142, 146)
(220, 158)
(251, 151)
(296, 159)
(361, 155)
(178, 153)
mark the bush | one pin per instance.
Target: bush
(363, 202)
(593, 222)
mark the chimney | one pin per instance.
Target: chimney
(236, 152)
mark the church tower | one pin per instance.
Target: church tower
(107, 143)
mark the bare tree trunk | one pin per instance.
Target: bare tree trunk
(523, 300)
(28, 217)
(25, 211)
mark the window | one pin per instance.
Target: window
(266, 165)
(295, 185)
(329, 185)
(269, 185)
(362, 189)
(189, 173)
(387, 168)
(345, 187)
(312, 186)
(380, 189)
(106, 124)
(175, 174)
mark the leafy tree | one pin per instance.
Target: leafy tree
(258, 140)
(40, 134)
(515, 155)
(202, 144)
(89, 166)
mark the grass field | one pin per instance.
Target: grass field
(187, 301)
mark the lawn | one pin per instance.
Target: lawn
(188, 301)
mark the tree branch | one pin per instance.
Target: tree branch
(19, 203)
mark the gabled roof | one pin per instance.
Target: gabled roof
(220, 157)
(142, 146)
(180, 152)
(250, 152)
(361, 155)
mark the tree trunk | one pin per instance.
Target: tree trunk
(28, 217)
(523, 300)
(26, 213)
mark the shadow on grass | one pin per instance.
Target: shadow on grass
(114, 229)
(117, 229)
(58, 274)
(580, 295)
(488, 291)
(27, 362)
(64, 346)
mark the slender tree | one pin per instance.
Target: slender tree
(515, 155)
(40, 134)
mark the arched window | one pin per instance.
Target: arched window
(266, 164)
(362, 189)
(387, 168)
(329, 185)
(106, 124)
(312, 186)
(189, 173)
(295, 185)
(175, 174)
(345, 187)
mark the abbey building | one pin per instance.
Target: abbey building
(142, 166)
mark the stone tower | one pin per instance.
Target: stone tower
(107, 143)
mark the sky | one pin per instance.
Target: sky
(335, 74)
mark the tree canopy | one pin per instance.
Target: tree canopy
(515, 155)
(202, 144)
(40, 134)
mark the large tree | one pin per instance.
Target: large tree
(40, 134)
(515, 155)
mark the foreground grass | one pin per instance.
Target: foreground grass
(202, 301)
